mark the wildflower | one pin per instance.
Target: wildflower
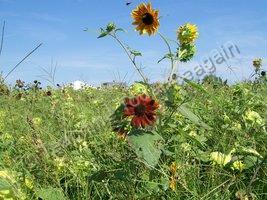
(2, 114)
(84, 144)
(37, 121)
(220, 158)
(28, 182)
(173, 178)
(242, 195)
(253, 117)
(186, 147)
(121, 134)
(236, 126)
(142, 108)
(257, 63)
(7, 137)
(138, 88)
(173, 168)
(192, 133)
(146, 19)
(187, 33)
(226, 118)
(173, 183)
(60, 163)
(238, 165)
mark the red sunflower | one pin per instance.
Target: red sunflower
(143, 109)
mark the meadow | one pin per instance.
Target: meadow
(60, 144)
(165, 140)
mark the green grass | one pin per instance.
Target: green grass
(62, 146)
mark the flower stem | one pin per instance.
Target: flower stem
(129, 56)
(170, 52)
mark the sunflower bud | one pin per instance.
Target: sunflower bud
(110, 27)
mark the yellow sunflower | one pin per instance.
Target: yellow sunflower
(146, 19)
(187, 33)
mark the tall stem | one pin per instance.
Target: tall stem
(170, 52)
(129, 56)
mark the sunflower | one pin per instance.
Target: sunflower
(187, 33)
(146, 19)
(143, 109)
(186, 52)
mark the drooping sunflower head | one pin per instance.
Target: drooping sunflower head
(146, 19)
(186, 52)
(187, 33)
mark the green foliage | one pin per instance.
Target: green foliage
(50, 194)
(67, 146)
(186, 52)
(147, 146)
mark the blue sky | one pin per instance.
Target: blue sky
(79, 55)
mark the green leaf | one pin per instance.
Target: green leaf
(167, 56)
(135, 53)
(192, 117)
(98, 176)
(186, 52)
(203, 156)
(250, 161)
(196, 86)
(103, 34)
(147, 146)
(6, 189)
(247, 151)
(50, 194)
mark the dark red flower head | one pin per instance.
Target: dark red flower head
(143, 109)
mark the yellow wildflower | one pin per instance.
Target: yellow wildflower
(220, 158)
(138, 88)
(238, 165)
(173, 183)
(28, 182)
(253, 117)
(37, 121)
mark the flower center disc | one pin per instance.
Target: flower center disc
(140, 110)
(147, 19)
